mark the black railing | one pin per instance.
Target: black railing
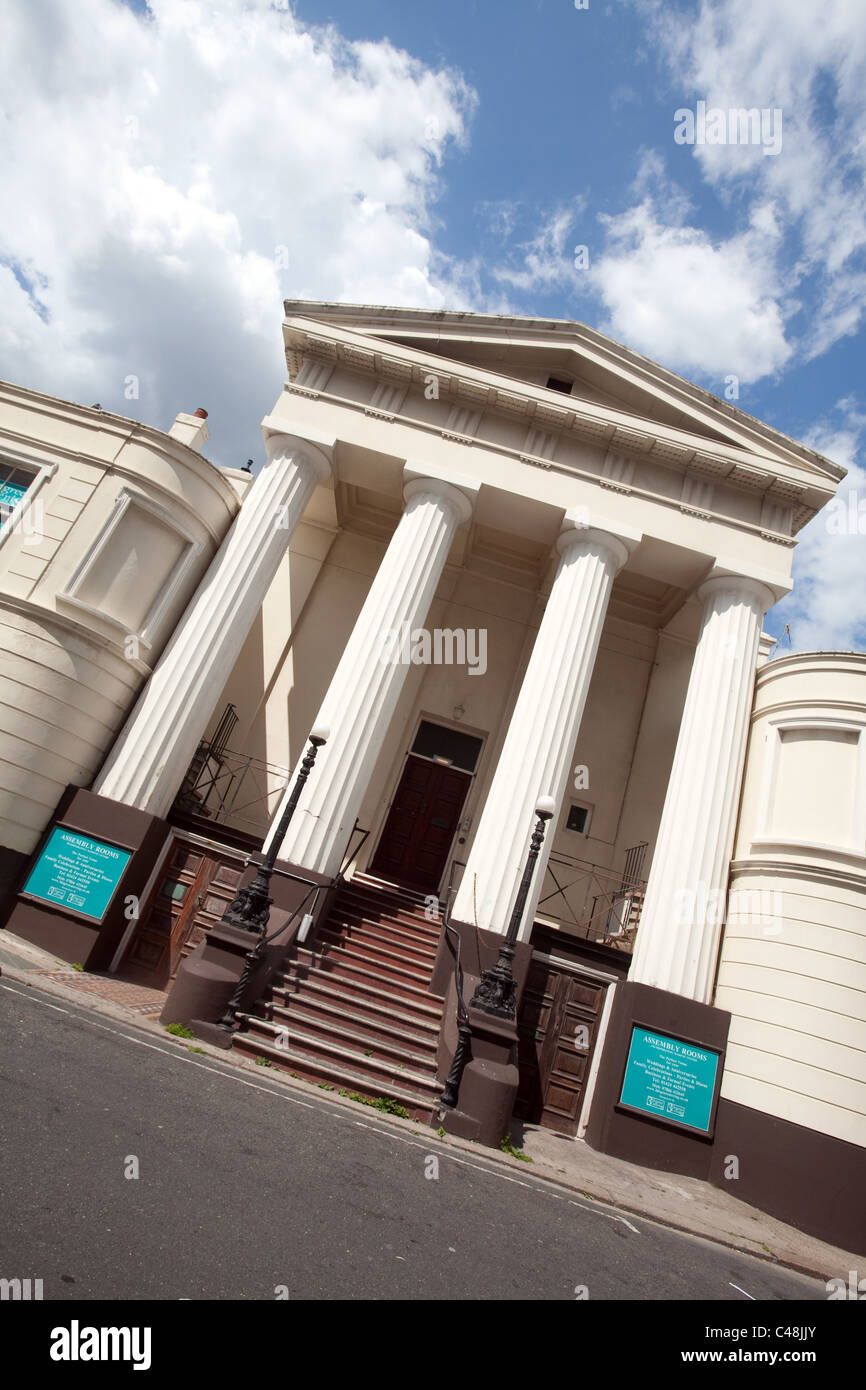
(229, 1020)
(349, 859)
(463, 1050)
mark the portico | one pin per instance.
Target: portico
(488, 589)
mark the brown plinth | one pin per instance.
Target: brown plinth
(803, 1177)
(638, 1138)
(71, 935)
(491, 1078)
(810, 1180)
(208, 977)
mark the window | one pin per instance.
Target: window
(447, 746)
(14, 482)
(578, 818)
(555, 383)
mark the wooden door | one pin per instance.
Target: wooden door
(420, 827)
(195, 887)
(557, 1028)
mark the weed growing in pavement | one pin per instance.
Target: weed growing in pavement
(508, 1148)
(179, 1030)
(383, 1103)
(263, 1062)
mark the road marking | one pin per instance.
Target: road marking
(164, 1051)
(743, 1291)
(608, 1214)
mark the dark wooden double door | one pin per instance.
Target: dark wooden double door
(421, 824)
(194, 888)
(557, 1028)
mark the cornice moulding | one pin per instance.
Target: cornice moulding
(672, 447)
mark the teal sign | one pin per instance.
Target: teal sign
(670, 1079)
(11, 494)
(75, 871)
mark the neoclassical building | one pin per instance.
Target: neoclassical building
(495, 564)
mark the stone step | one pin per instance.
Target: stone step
(358, 905)
(385, 888)
(365, 999)
(342, 957)
(370, 947)
(345, 1030)
(353, 918)
(374, 1072)
(331, 1076)
(345, 1012)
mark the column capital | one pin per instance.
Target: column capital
(580, 526)
(461, 492)
(280, 437)
(742, 586)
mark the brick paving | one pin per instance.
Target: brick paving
(141, 999)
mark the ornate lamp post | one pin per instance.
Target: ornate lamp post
(251, 908)
(494, 993)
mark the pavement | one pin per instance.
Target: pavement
(671, 1200)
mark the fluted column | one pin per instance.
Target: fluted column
(150, 757)
(366, 685)
(536, 755)
(681, 921)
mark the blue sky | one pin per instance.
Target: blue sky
(173, 171)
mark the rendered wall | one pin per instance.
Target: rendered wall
(115, 533)
(792, 970)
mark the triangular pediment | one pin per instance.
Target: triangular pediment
(601, 372)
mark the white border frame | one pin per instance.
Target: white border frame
(41, 473)
(126, 499)
(824, 723)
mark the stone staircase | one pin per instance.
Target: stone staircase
(350, 1009)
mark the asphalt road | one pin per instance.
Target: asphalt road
(244, 1186)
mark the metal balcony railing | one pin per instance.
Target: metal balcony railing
(232, 788)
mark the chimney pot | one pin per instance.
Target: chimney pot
(201, 413)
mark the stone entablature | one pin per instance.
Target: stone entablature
(315, 359)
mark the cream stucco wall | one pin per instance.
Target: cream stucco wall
(96, 566)
(793, 962)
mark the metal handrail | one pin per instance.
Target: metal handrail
(606, 899)
(347, 861)
(254, 955)
(462, 1052)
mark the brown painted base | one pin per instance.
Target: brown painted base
(70, 935)
(807, 1179)
(490, 1080)
(635, 1137)
(208, 977)
(810, 1180)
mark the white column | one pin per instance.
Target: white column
(681, 921)
(366, 685)
(536, 756)
(156, 745)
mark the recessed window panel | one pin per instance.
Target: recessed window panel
(447, 746)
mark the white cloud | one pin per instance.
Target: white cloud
(827, 609)
(157, 178)
(810, 62)
(547, 261)
(703, 307)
